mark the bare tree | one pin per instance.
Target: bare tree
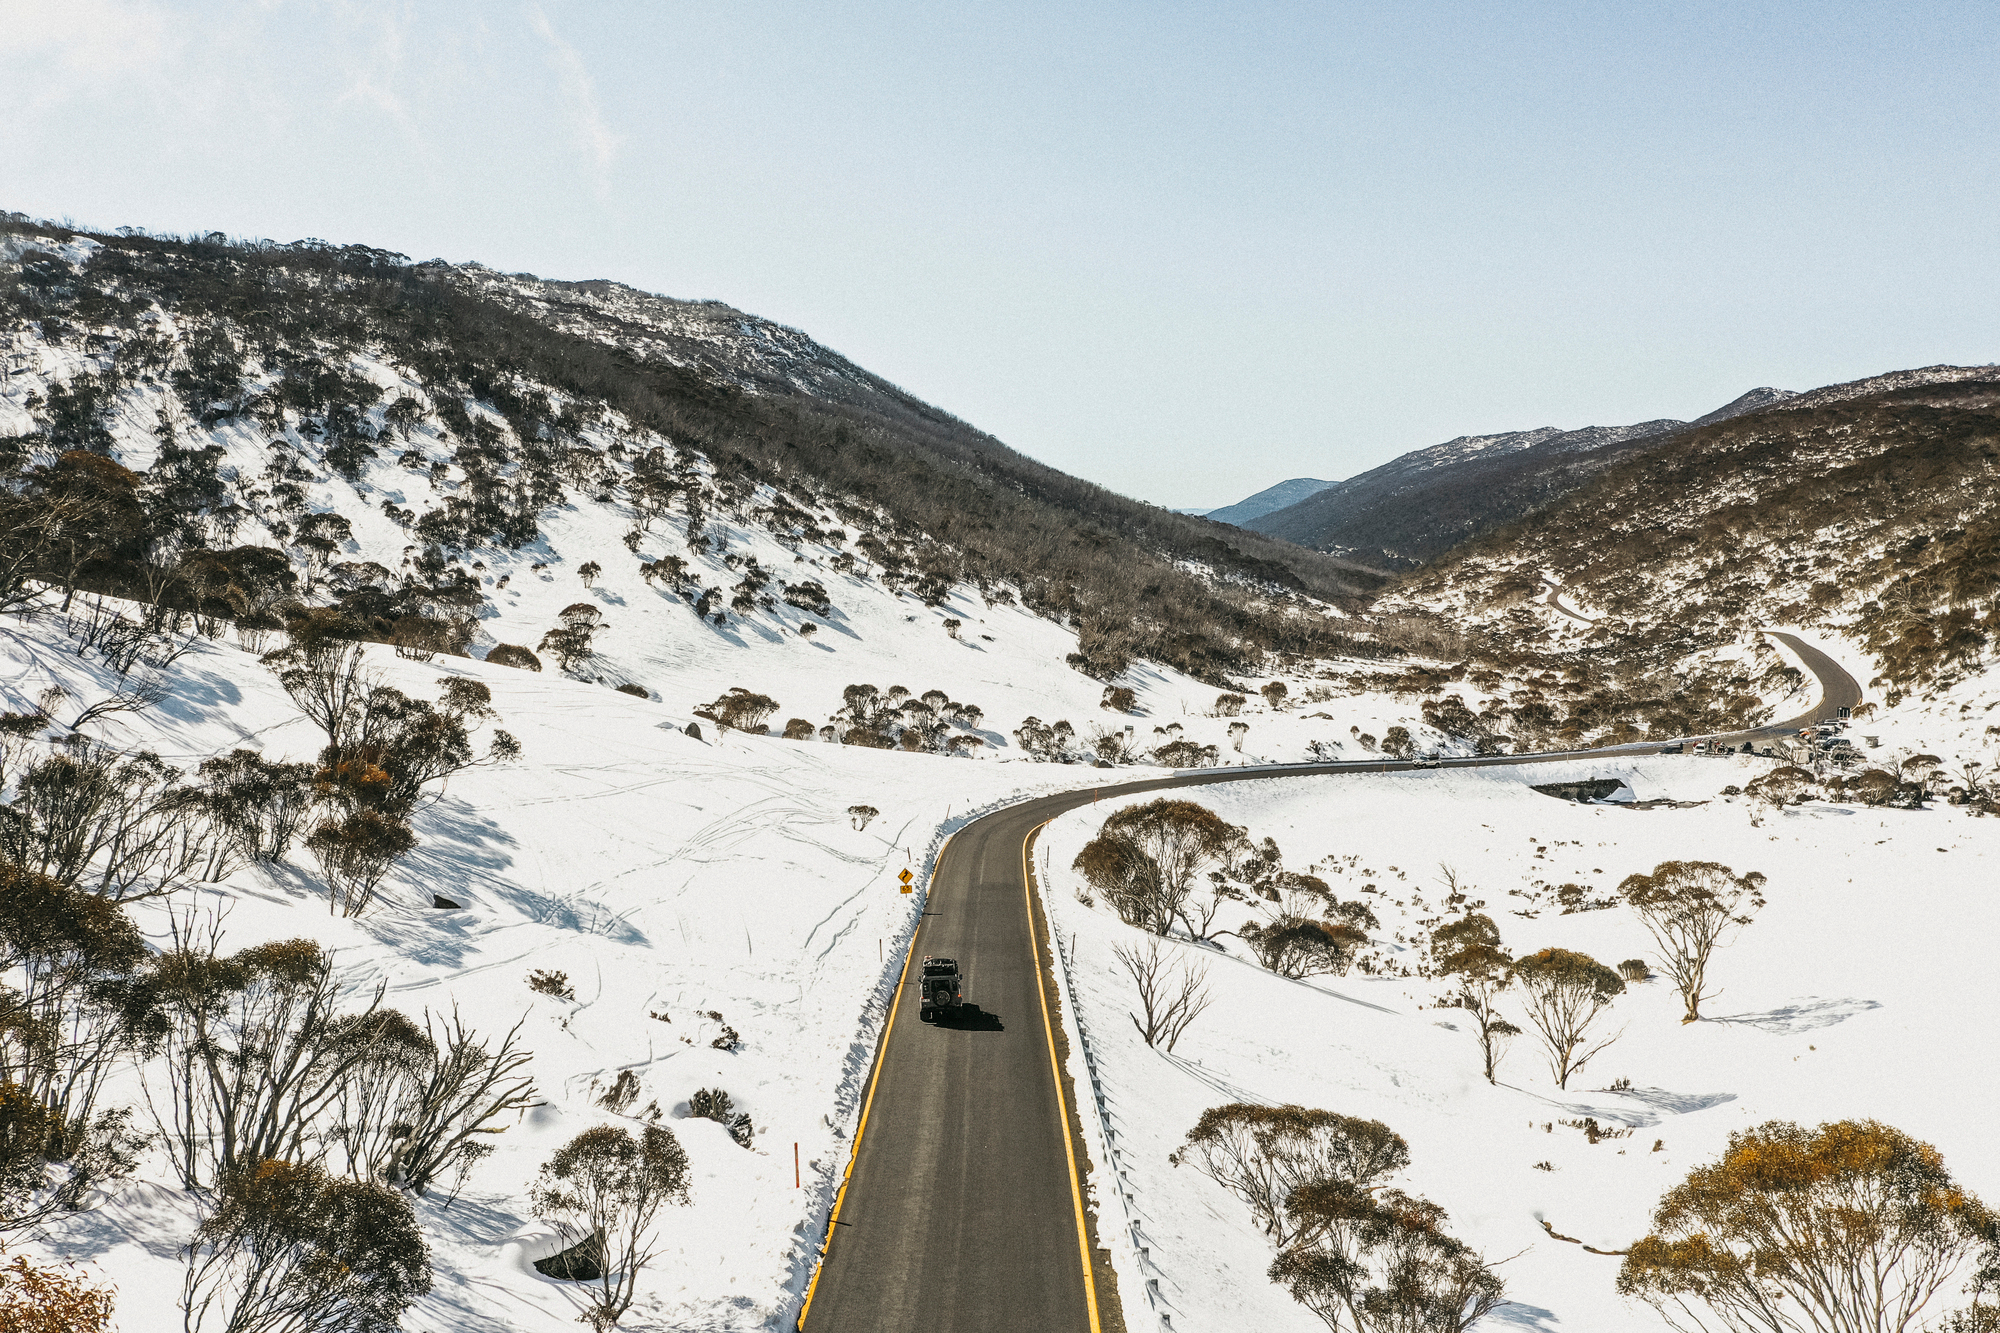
(1171, 1002)
(1687, 907)
(409, 1112)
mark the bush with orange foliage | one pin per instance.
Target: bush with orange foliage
(1854, 1225)
(50, 1300)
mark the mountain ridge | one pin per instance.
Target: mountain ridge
(1389, 512)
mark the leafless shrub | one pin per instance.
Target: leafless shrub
(554, 984)
(1170, 999)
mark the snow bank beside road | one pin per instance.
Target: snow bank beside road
(1856, 993)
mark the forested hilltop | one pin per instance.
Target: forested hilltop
(505, 397)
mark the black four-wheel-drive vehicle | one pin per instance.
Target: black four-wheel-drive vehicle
(943, 986)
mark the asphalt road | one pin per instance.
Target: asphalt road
(962, 1212)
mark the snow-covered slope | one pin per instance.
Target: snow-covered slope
(671, 878)
(1816, 1020)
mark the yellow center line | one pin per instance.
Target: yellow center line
(868, 1103)
(1062, 1105)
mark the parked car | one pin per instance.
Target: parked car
(1678, 747)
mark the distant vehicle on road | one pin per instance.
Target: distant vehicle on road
(943, 987)
(1678, 747)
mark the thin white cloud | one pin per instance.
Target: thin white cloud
(371, 80)
(63, 49)
(594, 137)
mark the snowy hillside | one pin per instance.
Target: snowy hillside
(1816, 1020)
(1866, 517)
(688, 889)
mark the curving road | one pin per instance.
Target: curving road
(963, 1208)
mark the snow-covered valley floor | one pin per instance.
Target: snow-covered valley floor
(681, 877)
(1862, 990)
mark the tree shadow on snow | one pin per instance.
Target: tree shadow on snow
(1221, 1085)
(462, 856)
(1653, 1105)
(1802, 1015)
(1518, 1314)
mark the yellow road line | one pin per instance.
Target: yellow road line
(868, 1103)
(1062, 1105)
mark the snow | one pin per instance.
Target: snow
(663, 874)
(1859, 991)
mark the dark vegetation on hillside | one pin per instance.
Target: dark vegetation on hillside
(1882, 512)
(1422, 519)
(265, 336)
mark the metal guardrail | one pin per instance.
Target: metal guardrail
(1150, 1272)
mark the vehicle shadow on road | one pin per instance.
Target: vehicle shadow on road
(969, 1017)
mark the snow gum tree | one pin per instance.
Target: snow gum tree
(1564, 992)
(1687, 907)
(1851, 1226)
(1263, 1154)
(604, 1183)
(1382, 1263)
(1146, 861)
(1468, 950)
(289, 1249)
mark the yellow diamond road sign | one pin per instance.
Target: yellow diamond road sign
(905, 876)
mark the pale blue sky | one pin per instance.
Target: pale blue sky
(1184, 250)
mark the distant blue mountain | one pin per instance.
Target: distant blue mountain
(1268, 501)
